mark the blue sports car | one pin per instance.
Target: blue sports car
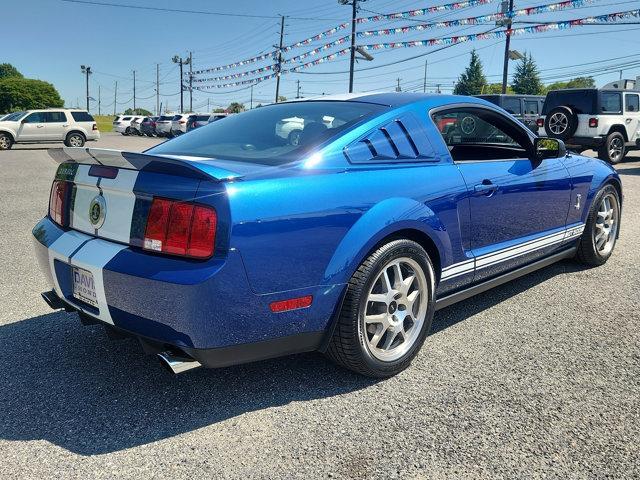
(241, 240)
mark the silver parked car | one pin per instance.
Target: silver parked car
(163, 125)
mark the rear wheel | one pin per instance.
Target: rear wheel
(601, 231)
(6, 142)
(74, 140)
(613, 150)
(387, 311)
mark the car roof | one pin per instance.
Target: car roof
(398, 99)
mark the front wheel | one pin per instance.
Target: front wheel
(613, 150)
(387, 311)
(601, 231)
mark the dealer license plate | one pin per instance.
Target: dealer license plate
(84, 288)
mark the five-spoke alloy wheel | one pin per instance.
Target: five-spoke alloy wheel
(387, 310)
(601, 231)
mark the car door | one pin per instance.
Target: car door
(32, 128)
(632, 116)
(518, 206)
(56, 125)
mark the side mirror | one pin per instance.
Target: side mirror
(549, 148)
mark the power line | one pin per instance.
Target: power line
(179, 10)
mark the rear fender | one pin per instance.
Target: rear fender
(381, 221)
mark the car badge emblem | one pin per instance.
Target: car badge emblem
(97, 211)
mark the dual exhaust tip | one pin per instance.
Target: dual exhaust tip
(173, 362)
(176, 363)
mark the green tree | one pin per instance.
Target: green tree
(138, 111)
(578, 82)
(472, 81)
(526, 79)
(8, 70)
(496, 89)
(18, 93)
(218, 110)
(282, 98)
(235, 107)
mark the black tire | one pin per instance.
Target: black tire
(294, 137)
(561, 123)
(588, 251)
(74, 139)
(349, 343)
(6, 141)
(127, 131)
(613, 150)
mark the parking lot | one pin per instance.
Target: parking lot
(537, 378)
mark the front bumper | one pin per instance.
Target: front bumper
(205, 309)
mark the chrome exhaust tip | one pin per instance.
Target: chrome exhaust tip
(177, 364)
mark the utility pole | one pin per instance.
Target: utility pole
(507, 45)
(208, 106)
(352, 60)
(398, 89)
(179, 60)
(86, 70)
(157, 89)
(251, 99)
(298, 91)
(279, 64)
(191, 81)
(134, 92)
(424, 85)
(115, 98)
(99, 99)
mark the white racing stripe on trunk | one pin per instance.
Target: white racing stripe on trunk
(120, 202)
(93, 257)
(61, 250)
(113, 158)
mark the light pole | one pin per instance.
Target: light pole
(86, 71)
(181, 61)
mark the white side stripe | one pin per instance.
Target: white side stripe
(509, 253)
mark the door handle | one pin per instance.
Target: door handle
(485, 188)
(628, 120)
(39, 126)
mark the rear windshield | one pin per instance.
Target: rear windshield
(165, 118)
(126, 118)
(263, 136)
(82, 117)
(177, 117)
(202, 118)
(580, 101)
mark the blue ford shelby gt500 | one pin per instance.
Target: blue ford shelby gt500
(338, 224)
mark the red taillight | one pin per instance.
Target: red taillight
(291, 304)
(95, 126)
(593, 122)
(180, 228)
(58, 202)
(182, 122)
(540, 122)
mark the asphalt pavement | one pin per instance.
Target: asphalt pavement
(537, 378)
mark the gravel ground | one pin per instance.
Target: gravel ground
(537, 378)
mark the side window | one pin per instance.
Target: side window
(531, 107)
(400, 140)
(512, 105)
(473, 134)
(611, 102)
(35, 117)
(55, 117)
(632, 103)
(84, 117)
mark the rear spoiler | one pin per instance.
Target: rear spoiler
(173, 164)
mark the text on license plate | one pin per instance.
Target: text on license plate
(84, 288)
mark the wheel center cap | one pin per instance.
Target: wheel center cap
(393, 306)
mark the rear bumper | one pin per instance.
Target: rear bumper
(590, 142)
(206, 309)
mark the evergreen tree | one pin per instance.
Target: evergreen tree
(526, 80)
(472, 81)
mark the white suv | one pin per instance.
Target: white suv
(179, 124)
(73, 127)
(606, 120)
(122, 124)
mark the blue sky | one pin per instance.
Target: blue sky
(50, 39)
